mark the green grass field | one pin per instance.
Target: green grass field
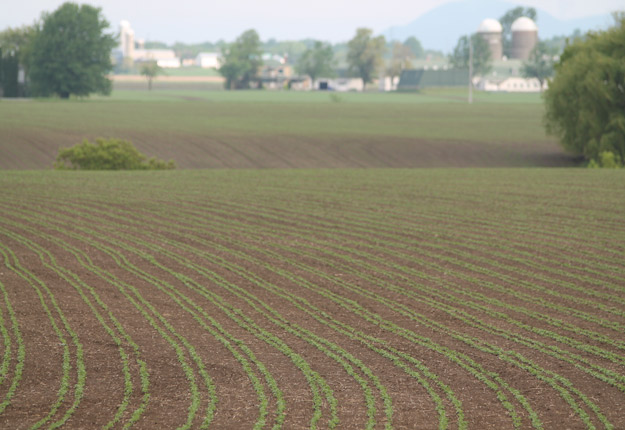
(207, 129)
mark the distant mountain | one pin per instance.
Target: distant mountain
(440, 28)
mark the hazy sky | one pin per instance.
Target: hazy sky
(331, 20)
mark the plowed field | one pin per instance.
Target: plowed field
(348, 299)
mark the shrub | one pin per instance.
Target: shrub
(107, 154)
(607, 160)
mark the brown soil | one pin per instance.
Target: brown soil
(238, 286)
(37, 149)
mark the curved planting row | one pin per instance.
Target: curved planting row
(339, 299)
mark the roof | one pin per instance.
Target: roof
(414, 79)
(490, 25)
(524, 24)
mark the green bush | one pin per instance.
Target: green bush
(107, 154)
(607, 160)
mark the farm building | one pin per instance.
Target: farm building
(343, 81)
(338, 84)
(165, 58)
(127, 39)
(524, 38)
(134, 49)
(491, 31)
(276, 76)
(208, 60)
(510, 85)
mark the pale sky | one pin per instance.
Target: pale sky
(331, 20)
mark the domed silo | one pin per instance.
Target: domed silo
(524, 38)
(491, 31)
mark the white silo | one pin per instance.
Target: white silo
(127, 39)
(491, 30)
(524, 38)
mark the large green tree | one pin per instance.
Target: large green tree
(506, 22)
(242, 60)
(316, 61)
(540, 64)
(71, 53)
(585, 101)
(364, 55)
(482, 63)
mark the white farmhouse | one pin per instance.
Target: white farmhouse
(165, 58)
(208, 60)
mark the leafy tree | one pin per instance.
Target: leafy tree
(15, 48)
(364, 54)
(9, 69)
(107, 154)
(506, 22)
(540, 64)
(401, 59)
(316, 62)
(415, 46)
(481, 55)
(18, 41)
(71, 54)
(585, 101)
(242, 60)
(150, 69)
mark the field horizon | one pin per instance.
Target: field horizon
(201, 128)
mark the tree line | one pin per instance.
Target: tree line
(77, 61)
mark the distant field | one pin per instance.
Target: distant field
(200, 128)
(320, 299)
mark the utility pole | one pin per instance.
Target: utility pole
(470, 70)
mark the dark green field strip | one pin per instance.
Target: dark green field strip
(61, 328)
(113, 328)
(281, 125)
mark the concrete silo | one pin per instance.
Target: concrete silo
(491, 31)
(524, 38)
(127, 39)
